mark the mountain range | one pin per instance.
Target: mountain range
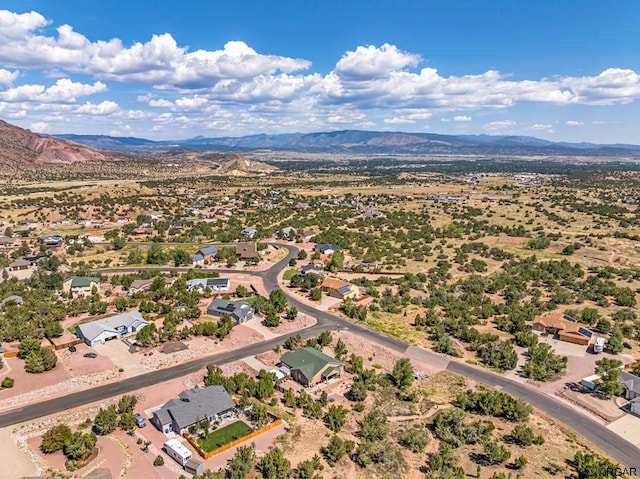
(363, 142)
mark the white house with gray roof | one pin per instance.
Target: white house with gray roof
(192, 406)
(215, 284)
(113, 327)
(631, 385)
(240, 311)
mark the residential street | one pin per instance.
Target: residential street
(620, 449)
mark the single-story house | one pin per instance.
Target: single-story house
(288, 232)
(203, 255)
(247, 251)
(144, 285)
(19, 265)
(239, 311)
(53, 242)
(113, 327)
(11, 299)
(7, 241)
(631, 385)
(563, 328)
(80, 286)
(306, 235)
(93, 237)
(212, 403)
(338, 288)
(6, 247)
(308, 366)
(216, 284)
(311, 268)
(326, 248)
(248, 232)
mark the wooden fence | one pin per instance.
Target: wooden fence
(229, 445)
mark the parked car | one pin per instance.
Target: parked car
(140, 420)
(72, 349)
(90, 355)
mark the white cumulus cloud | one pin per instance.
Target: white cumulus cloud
(374, 62)
(462, 118)
(573, 123)
(104, 108)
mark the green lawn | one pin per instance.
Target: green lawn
(223, 436)
(290, 274)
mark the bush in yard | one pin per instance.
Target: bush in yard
(106, 420)
(158, 461)
(8, 382)
(54, 439)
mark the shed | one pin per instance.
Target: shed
(194, 467)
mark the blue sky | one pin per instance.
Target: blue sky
(563, 70)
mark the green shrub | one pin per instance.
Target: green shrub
(8, 382)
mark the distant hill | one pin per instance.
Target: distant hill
(238, 165)
(374, 142)
(21, 148)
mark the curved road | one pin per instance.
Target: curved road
(623, 451)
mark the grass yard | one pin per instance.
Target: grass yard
(224, 435)
(290, 273)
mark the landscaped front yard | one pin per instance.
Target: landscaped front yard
(224, 435)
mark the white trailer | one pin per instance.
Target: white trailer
(598, 346)
(178, 451)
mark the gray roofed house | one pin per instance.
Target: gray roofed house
(101, 330)
(203, 254)
(239, 311)
(13, 298)
(7, 241)
(326, 248)
(20, 264)
(287, 232)
(248, 232)
(631, 385)
(144, 285)
(194, 405)
(216, 284)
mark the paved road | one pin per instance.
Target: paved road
(624, 452)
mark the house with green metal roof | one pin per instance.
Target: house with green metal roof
(80, 286)
(308, 366)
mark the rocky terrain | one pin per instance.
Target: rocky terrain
(22, 148)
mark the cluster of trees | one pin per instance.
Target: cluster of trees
(543, 364)
(121, 416)
(241, 383)
(76, 446)
(36, 358)
(494, 403)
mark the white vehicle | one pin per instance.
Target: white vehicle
(598, 346)
(177, 451)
